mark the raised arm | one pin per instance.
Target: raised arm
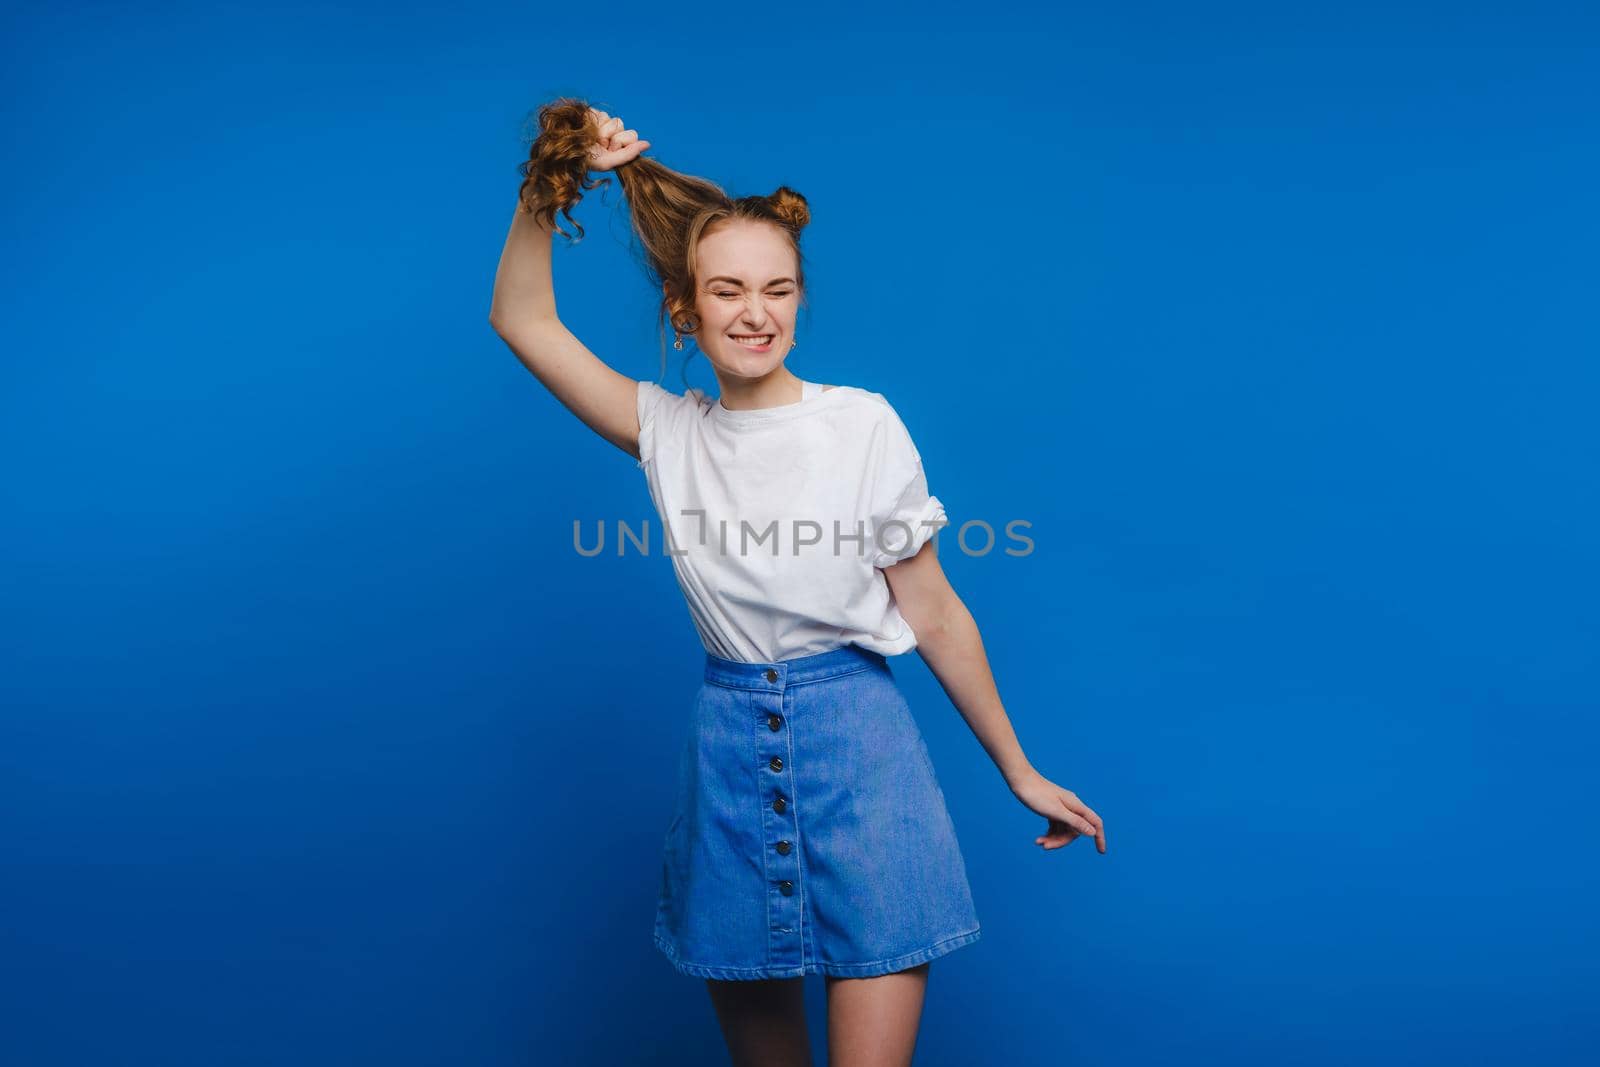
(523, 313)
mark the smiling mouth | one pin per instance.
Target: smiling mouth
(759, 340)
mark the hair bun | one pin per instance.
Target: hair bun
(790, 207)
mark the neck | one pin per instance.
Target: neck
(748, 394)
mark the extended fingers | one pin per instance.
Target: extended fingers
(1067, 827)
(1099, 824)
(1077, 821)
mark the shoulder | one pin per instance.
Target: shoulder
(652, 396)
(873, 411)
(665, 415)
(867, 404)
(656, 404)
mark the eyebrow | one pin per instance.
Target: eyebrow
(736, 281)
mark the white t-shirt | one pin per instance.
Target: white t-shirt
(777, 520)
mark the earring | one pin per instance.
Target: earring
(678, 344)
(794, 344)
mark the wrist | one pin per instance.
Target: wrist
(1016, 774)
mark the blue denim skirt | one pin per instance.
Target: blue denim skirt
(809, 833)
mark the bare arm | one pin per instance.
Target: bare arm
(523, 313)
(949, 642)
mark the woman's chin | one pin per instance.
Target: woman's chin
(749, 364)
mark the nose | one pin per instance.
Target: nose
(754, 312)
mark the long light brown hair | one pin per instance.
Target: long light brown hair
(671, 211)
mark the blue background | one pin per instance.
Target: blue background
(321, 744)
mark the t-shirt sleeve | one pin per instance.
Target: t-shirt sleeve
(651, 401)
(904, 514)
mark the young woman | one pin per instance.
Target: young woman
(810, 834)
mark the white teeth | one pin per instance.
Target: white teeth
(753, 342)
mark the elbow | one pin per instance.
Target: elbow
(931, 635)
(935, 622)
(522, 324)
(948, 616)
(499, 321)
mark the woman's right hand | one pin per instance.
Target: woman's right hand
(614, 145)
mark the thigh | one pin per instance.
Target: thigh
(882, 874)
(763, 1022)
(873, 1022)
